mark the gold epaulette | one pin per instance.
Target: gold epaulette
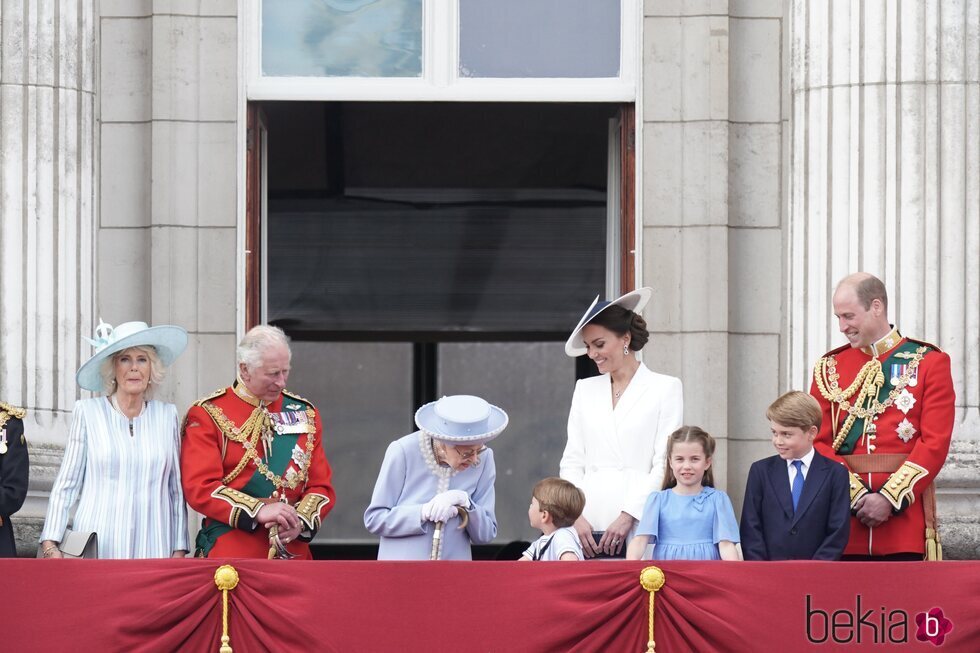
(13, 411)
(214, 395)
(296, 396)
(925, 344)
(309, 404)
(834, 352)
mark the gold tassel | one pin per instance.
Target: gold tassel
(934, 548)
(226, 578)
(651, 579)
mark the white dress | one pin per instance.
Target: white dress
(617, 456)
(127, 487)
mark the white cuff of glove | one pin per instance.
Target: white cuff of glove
(455, 497)
(435, 511)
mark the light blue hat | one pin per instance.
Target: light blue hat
(461, 419)
(168, 341)
(631, 301)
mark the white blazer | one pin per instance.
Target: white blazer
(617, 456)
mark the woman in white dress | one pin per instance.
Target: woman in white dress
(618, 424)
(121, 461)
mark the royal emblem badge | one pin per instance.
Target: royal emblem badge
(905, 430)
(905, 401)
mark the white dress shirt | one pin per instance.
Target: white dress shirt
(791, 469)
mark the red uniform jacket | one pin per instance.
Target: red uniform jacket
(228, 476)
(912, 415)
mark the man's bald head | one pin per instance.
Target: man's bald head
(860, 304)
(867, 288)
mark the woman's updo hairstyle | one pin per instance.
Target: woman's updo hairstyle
(622, 321)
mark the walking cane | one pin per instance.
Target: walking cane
(464, 519)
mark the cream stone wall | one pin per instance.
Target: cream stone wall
(168, 231)
(119, 132)
(713, 214)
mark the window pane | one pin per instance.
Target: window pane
(366, 267)
(539, 38)
(533, 382)
(342, 38)
(438, 220)
(364, 394)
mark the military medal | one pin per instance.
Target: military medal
(3, 441)
(897, 371)
(291, 422)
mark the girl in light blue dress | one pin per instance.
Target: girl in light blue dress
(688, 519)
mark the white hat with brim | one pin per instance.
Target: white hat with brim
(461, 419)
(168, 341)
(632, 301)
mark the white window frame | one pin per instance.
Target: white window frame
(440, 80)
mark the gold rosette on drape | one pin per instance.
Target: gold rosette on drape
(651, 579)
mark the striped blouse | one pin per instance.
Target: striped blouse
(127, 487)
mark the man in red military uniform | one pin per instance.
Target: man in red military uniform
(888, 409)
(252, 459)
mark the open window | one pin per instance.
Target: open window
(413, 250)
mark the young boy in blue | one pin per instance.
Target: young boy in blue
(689, 519)
(797, 503)
(555, 505)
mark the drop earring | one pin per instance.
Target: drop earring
(626, 350)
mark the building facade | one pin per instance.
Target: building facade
(175, 162)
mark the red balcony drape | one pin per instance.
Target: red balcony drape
(173, 605)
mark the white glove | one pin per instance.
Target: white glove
(442, 507)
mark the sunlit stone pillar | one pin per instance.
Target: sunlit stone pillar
(47, 213)
(885, 178)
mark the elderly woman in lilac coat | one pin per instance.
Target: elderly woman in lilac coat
(434, 496)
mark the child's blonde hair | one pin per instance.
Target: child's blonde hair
(689, 434)
(563, 501)
(795, 409)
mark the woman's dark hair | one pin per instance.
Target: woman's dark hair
(622, 321)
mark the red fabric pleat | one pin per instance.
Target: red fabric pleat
(505, 607)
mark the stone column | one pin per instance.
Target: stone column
(884, 158)
(47, 178)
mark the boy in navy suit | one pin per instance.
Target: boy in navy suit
(797, 503)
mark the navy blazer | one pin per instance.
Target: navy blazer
(14, 477)
(817, 531)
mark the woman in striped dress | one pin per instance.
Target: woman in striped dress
(121, 461)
